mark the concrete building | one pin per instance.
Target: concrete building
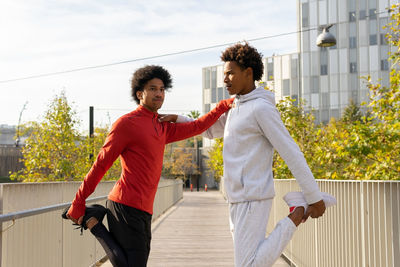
(326, 78)
(330, 77)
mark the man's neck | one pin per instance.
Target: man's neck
(148, 108)
(248, 89)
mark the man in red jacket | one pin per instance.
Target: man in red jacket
(138, 138)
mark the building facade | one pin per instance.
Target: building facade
(328, 79)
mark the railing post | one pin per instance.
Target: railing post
(316, 242)
(1, 226)
(362, 224)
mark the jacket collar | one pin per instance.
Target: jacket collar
(142, 110)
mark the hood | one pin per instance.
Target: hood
(259, 92)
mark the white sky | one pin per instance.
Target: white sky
(44, 36)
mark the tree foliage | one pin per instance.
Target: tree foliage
(216, 162)
(179, 161)
(54, 150)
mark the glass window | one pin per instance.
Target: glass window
(220, 93)
(384, 52)
(372, 4)
(214, 77)
(353, 67)
(270, 72)
(372, 13)
(383, 22)
(353, 42)
(314, 84)
(325, 99)
(333, 31)
(384, 64)
(325, 116)
(354, 82)
(363, 14)
(353, 29)
(286, 87)
(207, 108)
(324, 62)
(294, 67)
(352, 5)
(226, 93)
(352, 16)
(324, 69)
(213, 95)
(373, 40)
(354, 96)
(304, 13)
(294, 87)
(207, 79)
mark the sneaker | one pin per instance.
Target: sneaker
(97, 211)
(295, 199)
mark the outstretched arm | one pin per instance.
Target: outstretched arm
(275, 131)
(180, 131)
(215, 131)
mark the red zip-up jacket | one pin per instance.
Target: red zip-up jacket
(139, 139)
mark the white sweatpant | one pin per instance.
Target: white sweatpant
(248, 223)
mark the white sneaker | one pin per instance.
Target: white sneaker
(297, 199)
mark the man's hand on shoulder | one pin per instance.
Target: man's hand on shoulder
(315, 210)
(167, 117)
(227, 102)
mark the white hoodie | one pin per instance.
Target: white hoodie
(251, 131)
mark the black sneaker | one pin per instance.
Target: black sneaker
(97, 211)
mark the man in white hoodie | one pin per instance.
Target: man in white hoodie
(252, 129)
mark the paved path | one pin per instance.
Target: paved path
(194, 233)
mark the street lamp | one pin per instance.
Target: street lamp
(326, 39)
(17, 140)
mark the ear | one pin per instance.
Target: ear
(249, 72)
(139, 94)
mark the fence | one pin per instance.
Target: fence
(46, 239)
(9, 160)
(362, 230)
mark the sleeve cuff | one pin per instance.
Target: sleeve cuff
(76, 211)
(313, 197)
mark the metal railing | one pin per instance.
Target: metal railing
(361, 230)
(34, 234)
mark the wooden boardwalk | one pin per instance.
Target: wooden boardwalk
(194, 233)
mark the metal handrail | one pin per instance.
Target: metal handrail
(12, 216)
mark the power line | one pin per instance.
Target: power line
(169, 54)
(145, 58)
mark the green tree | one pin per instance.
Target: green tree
(215, 161)
(55, 151)
(179, 162)
(352, 113)
(92, 145)
(51, 149)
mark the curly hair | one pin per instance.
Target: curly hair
(147, 73)
(245, 56)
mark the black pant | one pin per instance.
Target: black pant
(131, 228)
